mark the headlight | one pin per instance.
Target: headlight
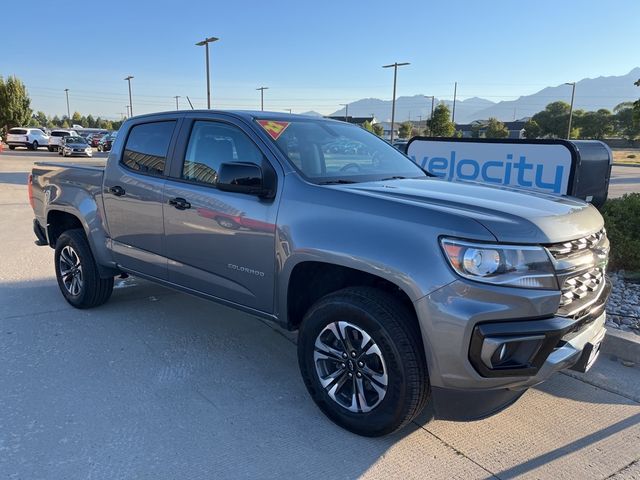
(508, 265)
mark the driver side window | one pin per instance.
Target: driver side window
(213, 143)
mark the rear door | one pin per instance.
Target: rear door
(133, 194)
(222, 243)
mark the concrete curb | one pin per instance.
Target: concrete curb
(626, 164)
(623, 345)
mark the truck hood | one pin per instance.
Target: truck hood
(511, 215)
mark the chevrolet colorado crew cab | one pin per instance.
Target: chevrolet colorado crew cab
(407, 290)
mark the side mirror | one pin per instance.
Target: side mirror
(243, 178)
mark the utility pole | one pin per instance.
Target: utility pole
(455, 92)
(206, 43)
(288, 110)
(393, 103)
(127, 107)
(573, 93)
(177, 97)
(262, 89)
(346, 111)
(66, 90)
(128, 79)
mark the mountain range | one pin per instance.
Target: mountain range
(590, 94)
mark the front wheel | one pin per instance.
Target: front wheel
(34, 145)
(362, 360)
(77, 272)
(50, 149)
(12, 147)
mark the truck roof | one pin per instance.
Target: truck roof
(244, 114)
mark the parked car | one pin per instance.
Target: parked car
(407, 290)
(55, 139)
(96, 137)
(75, 145)
(32, 138)
(105, 143)
(401, 145)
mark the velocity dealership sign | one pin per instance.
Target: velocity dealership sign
(545, 166)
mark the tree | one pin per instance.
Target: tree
(636, 109)
(441, 125)
(405, 130)
(623, 120)
(378, 129)
(15, 103)
(553, 121)
(41, 119)
(595, 125)
(532, 129)
(496, 129)
(91, 123)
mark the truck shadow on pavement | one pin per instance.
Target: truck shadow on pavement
(14, 178)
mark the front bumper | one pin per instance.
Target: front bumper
(457, 318)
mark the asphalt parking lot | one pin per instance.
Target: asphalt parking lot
(158, 384)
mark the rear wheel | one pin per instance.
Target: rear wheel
(50, 149)
(34, 145)
(362, 361)
(77, 272)
(12, 147)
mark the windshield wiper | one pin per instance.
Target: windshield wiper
(339, 181)
(395, 177)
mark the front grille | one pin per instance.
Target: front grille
(581, 286)
(566, 249)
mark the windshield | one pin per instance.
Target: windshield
(75, 140)
(335, 152)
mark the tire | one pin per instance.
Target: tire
(73, 253)
(393, 329)
(12, 147)
(34, 145)
(50, 149)
(227, 223)
(99, 148)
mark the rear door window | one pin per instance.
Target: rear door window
(147, 147)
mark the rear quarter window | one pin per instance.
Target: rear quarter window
(147, 146)
(18, 131)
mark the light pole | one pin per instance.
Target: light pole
(262, 89)
(393, 103)
(206, 43)
(433, 99)
(346, 111)
(177, 97)
(573, 93)
(127, 107)
(288, 110)
(455, 92)
(128, 79)
(66, 90)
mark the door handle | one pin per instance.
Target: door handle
(180, 203)
(117, 190)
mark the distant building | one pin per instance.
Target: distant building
(478, 128)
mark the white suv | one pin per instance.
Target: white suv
(55, 139)
(27, 137)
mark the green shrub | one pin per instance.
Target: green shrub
(622, 221)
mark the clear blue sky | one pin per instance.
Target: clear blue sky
(312, 55)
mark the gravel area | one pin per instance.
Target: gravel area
(623, 308)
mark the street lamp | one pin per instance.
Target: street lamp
(433, 99)
(262, 89)
(128, 79)
(573, 93)
(177, 97)
(393, 103)
(346, 111)
(206, 43)
(66, 90)
(453, 113)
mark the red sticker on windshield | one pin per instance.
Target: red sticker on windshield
(273, 128)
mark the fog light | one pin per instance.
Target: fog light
(510, 352)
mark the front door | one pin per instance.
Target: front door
(219, 243)
(133, 195)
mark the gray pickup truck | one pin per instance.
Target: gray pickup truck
(406, 290)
